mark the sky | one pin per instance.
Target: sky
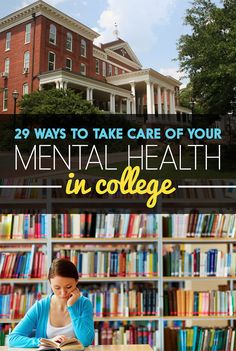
(151, 27)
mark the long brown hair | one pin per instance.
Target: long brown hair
(63, 268)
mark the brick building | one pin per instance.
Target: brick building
(42, 47)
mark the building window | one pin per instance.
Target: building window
(26, 62)
(51, 61)
(8, 40)
(5, 99)
(27, 33)
(97, 68)
(116, 71)
(7, 65)
(69, 40)
(83, 48)
(110, 70)
(104, 69)
(69, 64)
(52, 34)
(83, 69)
(123, 71)
(25, 89)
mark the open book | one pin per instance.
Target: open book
(69, 344)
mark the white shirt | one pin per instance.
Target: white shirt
(67, 330)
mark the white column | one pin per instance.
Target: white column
(61, 84)
(149, 97)
(91, 95)
(40, 87)
(65, 85)
(57, 84)
(165, 102)
(173, 96)
(153, 99)
(171, 101)
(159, 100)
(87, 94)
(128, 106)
(111, 103)
(134, 98)
(120, 106)
(114, 103)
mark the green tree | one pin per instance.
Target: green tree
(208, 55)
(185, 96)
(56, 101)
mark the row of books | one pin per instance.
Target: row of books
(23, 264)
(4, 331)
(110, 334)
(199, 225)
(105, 225)
(14, 304)
(23, 226)
(119, 263)
(111, 225)
(188, 303)
(118, 302)
(213, 262)
(200, 339)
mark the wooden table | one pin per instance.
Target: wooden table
(95, 348)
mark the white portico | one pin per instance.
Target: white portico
(141, 92)
(104, 95)
(149, 88)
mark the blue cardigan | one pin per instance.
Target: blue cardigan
(81, 314)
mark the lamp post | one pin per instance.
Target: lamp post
(15, 95)
(192, 103)
(231, 113)
(233, 102)
(229, 126)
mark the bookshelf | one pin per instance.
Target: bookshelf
(55, 241)
(107, 244)
(213, 236)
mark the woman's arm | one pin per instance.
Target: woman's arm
(83, 324)
(21, 335)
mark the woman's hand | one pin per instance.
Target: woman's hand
(74, 295)
(59, 338)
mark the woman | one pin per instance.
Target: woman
(65, 313)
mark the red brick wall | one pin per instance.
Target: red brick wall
(93, 70)
(18, 47)
(62, 53)
(42, 47)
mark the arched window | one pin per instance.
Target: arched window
(104, 69)
(51, 61)
(27, 33)
(83, 48)
(8, 41)
(83, 69)
(52, 34)
(26, 61)
(7, 65)
(25, 89)
(68, 64)
(69, 39)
